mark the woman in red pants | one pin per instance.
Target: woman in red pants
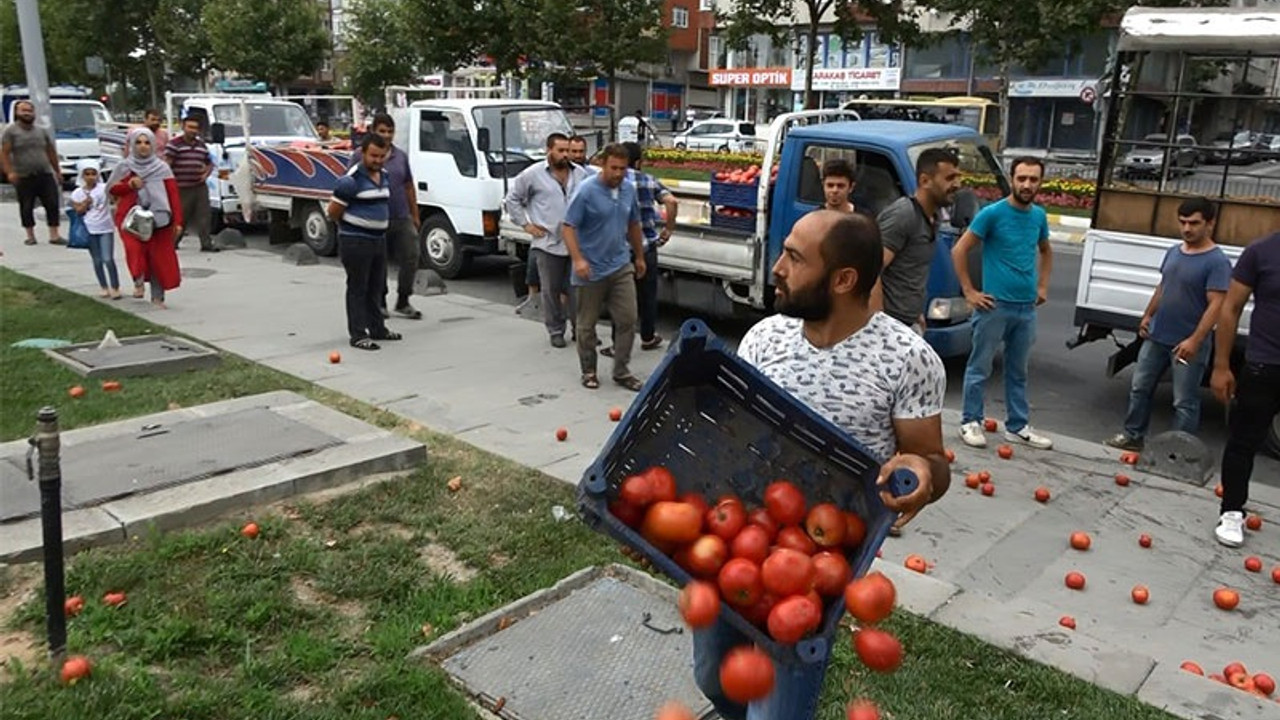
(143, 179)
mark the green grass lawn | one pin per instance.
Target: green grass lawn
(313, 620)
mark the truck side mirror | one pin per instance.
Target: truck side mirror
(482, 139)
(964, 208)
(218, 133)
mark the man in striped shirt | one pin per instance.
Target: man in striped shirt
(361, 208)
(188, 156)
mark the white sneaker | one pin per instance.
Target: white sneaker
(1230, 530)
(972, 435)
(1029, 437)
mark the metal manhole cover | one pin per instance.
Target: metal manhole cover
(135, 356)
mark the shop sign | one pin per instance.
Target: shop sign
(1054, 87)
(751, 77)
(835, 79)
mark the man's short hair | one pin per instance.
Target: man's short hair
(323, 122)
(838, 167)
(554, 138)
(1026, 160)
(151, 111)
(634, 153)
(24, 102)
(1201, 205)
(382, 119)
(931, 158)
(853, 241)
(615, 150)
(577, 139)
(374, 140)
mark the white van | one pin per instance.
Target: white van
(719, 135)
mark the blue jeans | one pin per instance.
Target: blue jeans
(795, 691)
(1012, 325)
(102, 250)
(1153, 359)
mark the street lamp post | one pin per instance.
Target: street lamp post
(33, 59)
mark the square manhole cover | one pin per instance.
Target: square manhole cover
(136, 356)
(579, 651)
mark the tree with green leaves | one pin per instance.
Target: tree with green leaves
(180, 34)
(381, 48)
(583, 39)
(273, 40)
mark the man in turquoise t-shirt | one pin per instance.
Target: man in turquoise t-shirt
(1016, 262)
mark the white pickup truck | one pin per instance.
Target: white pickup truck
(1135, 221)
(75, 117)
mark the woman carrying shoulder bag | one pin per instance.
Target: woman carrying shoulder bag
(149, 215)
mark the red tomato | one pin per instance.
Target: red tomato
(636, 490)
(870, 598)
(878, 650)
(972, 481)
(791, 619)
(831, 573)
(707, 555)
(1233, 669)
(785, 503)
(1140, 594)
(1226, 598)
(862, 710)
(761, 517)
(746, 674)
(1253, 564)
(1005, 452)
(727, 519)
(787, 572)
(1080, 540)
(758, 614)
(1042, 494)
(1265, 683)
(752, 543)
(675, 711)
(75, 667)
(1075, 580)
(989, 425)
(855, 530)
(662, 484)
(672, 522)
(699, 604)
(917, 563)
(114, 599)
(696, 500)
(1192, 668)
(73, 606)
(826, 525)
(628, 514)
(794, 538)
(740, 582)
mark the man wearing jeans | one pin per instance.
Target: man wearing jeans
(1179, 318)
(1256, 399)
(536, 201)
(602, 231)
(1016, 262)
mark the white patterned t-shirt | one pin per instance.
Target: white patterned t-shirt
(881, 373)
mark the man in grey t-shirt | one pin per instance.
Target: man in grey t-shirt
(908, 228)
(29, 159)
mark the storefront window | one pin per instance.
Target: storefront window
(943, 59)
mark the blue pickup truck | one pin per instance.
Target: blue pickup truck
(724, 268)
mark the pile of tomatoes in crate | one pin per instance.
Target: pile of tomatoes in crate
(780, 566)
(747, 176)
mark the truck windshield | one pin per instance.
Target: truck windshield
(526, 128)
(977, 163)
(76, 120)
(266, 119)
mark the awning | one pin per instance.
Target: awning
(1238, 30)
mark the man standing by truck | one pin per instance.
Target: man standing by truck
(402, 232)
(1179, 318)
(536, 201)
(29, 157)
(1255, 398)
(188, 157)
(1016, 261)
(908, 229)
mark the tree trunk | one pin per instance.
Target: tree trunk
(1004, 105)
(151, 82)
(811, 52)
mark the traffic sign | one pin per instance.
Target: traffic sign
(1088, 94)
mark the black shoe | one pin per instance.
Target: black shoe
(211, 248)
(557, 341)
(407, 310)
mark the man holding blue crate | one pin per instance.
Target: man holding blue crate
(862, 370)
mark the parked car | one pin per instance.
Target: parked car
(1270, 147)
(1149, 161)
(718, 135)
(1241, 146)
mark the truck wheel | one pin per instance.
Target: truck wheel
(1273, 437)
(217, 222)
(679, 146)
(317, 232)
(440, 248)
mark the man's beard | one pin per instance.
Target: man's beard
(560, 163)
(1026, 196)
(811, 303)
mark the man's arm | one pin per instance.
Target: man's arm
(581, 267)
(6, 164)
(516, 204)
(877, 292)
(51, 147)
(1190, 347)
(1045, 262)
(960, 260)
(1144, 325)
(635, 237)
(1223, 381)
(920, 450)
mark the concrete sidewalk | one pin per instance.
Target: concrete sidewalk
(474, 370)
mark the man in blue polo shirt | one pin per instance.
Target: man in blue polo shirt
(602, 233)
(1016, 262)
(360, 207)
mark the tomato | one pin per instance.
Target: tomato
(1075, 580)
(1253, 522)
(1253, 564)
(1005, 452)
(785, 503)
(110, 386)
(727, 519)
(250, 530)
(675, 711)
(794, 538)
(73, 606)
(951, 455)
(761, 517)
(917, 563)
(793, 618)
(862, 710)
(1233, 669)
(1042, 494)
(972, 481)
(989, 425)
(1140, 594)
(76, 391)
(746, 674)
(636, 490)
(626, 513)
(696, 500)
(758, 614)
(1265, 683)
(826, 525)
(870, 598)
(740, 582)
(1080, 540)
(831, 573)
(787, 572)
(1144, 540)
(1226, 598)
(699, 604)
(76, 667)
(672, 522)
(707, 555)
(114, 599)
(984, 476)
(662, 484)
(752, 543)
(878, 650)
(1192, 668)
(1067, 622)
(855, 530)
(681, 557)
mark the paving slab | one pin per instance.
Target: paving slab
(136, 356)
(1190, 696)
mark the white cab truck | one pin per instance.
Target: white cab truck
(75, 117)
(1167, 73)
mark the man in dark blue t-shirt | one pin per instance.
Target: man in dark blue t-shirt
(1255, 397)
(1179, 318)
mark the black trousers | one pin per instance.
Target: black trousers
(42, 187)
(1257, 401)
(365, 260)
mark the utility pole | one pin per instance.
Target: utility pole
(33, 58)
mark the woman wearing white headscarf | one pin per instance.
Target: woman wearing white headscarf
(142, 179)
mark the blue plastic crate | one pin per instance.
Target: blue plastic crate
(721, 427)
(730, 222)
(734, 195)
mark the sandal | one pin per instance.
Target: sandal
(630, 382)
(388, 335)
(652, 343)
(29, 241)
(590, 381)
(365, 343)
(607, 352)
